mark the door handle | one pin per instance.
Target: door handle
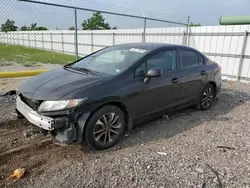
(175, 80)
(203, 72)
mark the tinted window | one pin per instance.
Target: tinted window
(189, 59)
(141, 71)
(201, 60)
(165, 60)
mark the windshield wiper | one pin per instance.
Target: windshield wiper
(86, 70)
(82, 69)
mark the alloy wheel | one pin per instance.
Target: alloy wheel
(107, 128)
(207, 97)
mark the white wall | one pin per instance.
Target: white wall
(219, 43)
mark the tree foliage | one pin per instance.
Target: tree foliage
(32, 27)
(72, 28)
(41, 28)
(194, 24)
(9, 25)
(24, 28)
(96, 22)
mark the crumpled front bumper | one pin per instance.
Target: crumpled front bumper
(33, 117)
(67, 130)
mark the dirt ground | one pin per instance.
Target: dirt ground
(188, 148)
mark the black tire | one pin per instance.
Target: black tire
(206, 98)
(104, 115)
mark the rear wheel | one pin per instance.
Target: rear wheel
(207, 97)
(105, 127)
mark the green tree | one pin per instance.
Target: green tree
(9, 25)
(96, 22)
(41, 28)
(194, 25)
(24, 28)
(32, 27)
(72, 28)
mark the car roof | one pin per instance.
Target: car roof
(152, 46)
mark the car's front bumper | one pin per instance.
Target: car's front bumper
(66, 128)
(32, 116)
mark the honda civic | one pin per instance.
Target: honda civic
(96, 98)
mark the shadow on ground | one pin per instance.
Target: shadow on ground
(180, 121)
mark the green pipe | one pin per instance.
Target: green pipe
(234, 20)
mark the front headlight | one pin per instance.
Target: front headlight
(59, 105)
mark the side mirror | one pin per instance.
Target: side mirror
(154, 72)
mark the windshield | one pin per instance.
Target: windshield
(111, 60)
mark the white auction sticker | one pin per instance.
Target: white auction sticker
(137, 50)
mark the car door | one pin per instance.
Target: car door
(192, 73)
(161, 92)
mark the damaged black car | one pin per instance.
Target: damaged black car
(95, 99)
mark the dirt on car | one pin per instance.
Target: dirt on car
(187, 148)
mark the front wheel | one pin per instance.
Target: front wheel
(105, 127)
(206, 98)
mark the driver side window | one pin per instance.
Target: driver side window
(141, 71)
(166, 60)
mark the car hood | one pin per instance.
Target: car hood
(54, 84)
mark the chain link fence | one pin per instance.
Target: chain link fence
(38, 35)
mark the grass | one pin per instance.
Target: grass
(29, 56)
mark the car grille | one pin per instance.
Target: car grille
(31, 103)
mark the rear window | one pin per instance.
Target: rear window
(189, 59)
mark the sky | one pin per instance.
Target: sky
(205, 12)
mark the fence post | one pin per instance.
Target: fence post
(51, 42)
(243, 49)
(23, 38)
(76, 39)
(142, 35)
(184, 38)
(18, 38)
(29, 39)
(17, 34)
(62, 44)
(35, 40)
(113, 38)
(42, 42)
(144, 30)
(92, 42)
(187, 33)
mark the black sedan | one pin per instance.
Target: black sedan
(96, 98)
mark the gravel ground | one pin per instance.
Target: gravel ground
(188, 148)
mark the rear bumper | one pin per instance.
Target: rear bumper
(43, 122)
